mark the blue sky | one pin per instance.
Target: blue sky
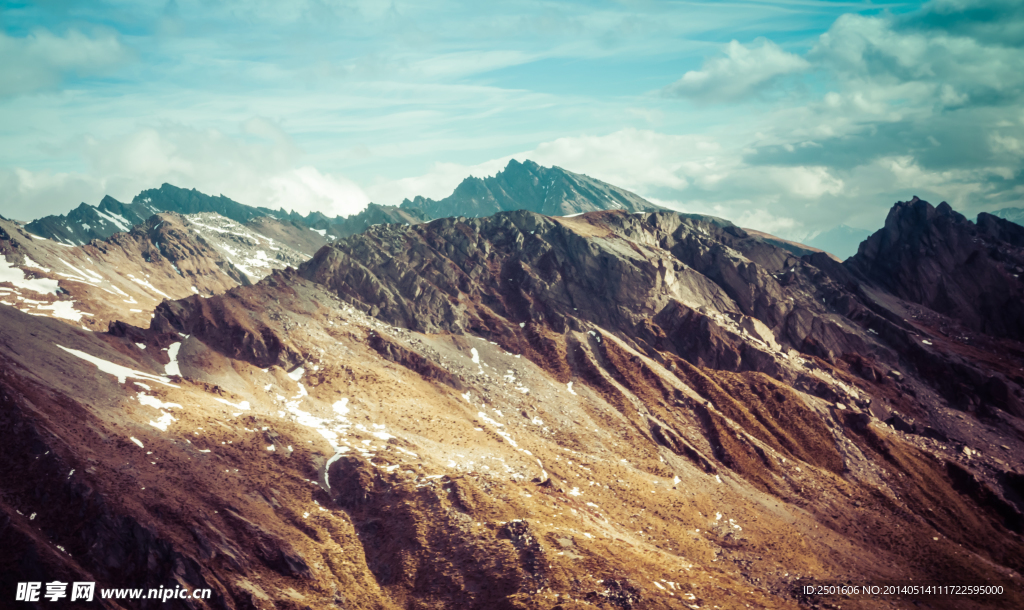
(790, 117)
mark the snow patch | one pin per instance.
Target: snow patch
(16, 276)
(171, 368)
(121, 372)
(244, 405)
(341, 407)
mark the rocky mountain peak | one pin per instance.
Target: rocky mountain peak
(529, 186)
(936, 257)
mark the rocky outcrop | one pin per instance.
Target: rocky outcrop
(998, 229)
(372, 215)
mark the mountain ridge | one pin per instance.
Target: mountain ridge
(627, 410)
(550, 191)
(519, 186)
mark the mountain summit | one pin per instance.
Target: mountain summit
(551, 191)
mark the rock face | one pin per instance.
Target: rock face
(937, 258)
(294, 234)
(686, 284)
(552, 191)
(612, 410)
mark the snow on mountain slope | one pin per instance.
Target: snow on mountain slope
(254, 254)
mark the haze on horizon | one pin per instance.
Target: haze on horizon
(790, 117)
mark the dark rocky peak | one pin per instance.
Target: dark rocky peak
(916, 223)
(316, 219)
(934, 256)
(109, 204)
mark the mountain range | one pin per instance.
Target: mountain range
(520, 186)
(521, 403)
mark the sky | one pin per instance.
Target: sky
(790, 117)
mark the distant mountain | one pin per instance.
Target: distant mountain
(86, 223)
(169, 198)
(373, 215)
(521, 186)
(551, 191)
(125, 276)
(1015, 215)
(793, 247)
(841, 241)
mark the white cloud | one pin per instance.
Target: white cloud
(28, 195)
(762, 220)
(258, 166)
(887, 51)
(306, 189)
(41, 60)
(806, 182)
(741, 73)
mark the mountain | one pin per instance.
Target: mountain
(124, 277)
(86, 223)
(373, 214)
(841, 241)
(935, 257)
(520, 186)
(617, 410)
(1014, 215)
(552, 191)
